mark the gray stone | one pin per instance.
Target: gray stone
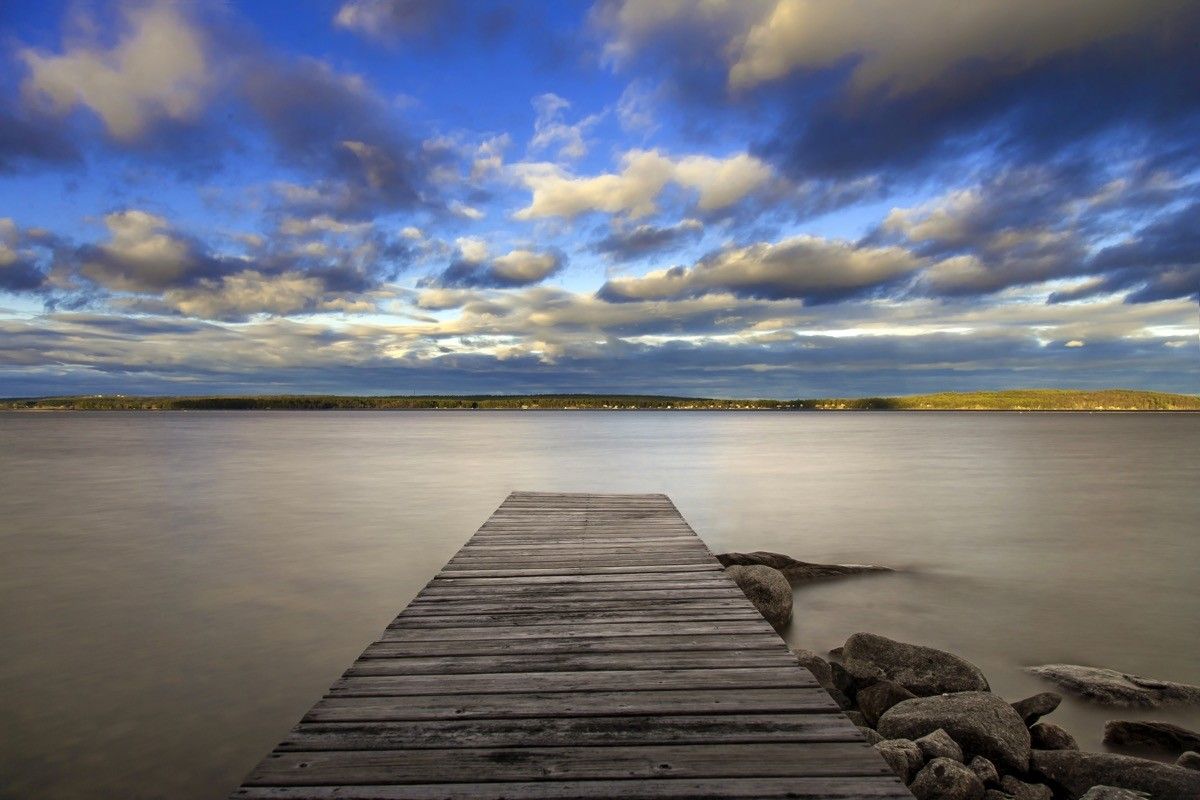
(1189, 760)
(823, 672)
(871, 735)
(1048, 736)
(857, 718)
(1112, 793)
(921, 670)
(796, 571)
(1034, 708)
(879, 697)
(1025, 791)
(902, 755)
(943, 779)
(767, 589)
(1076, 772)
(1150, 736)
(1111, 687)
(996, 794)
(939, 745)
(985, 769)
(982, 724)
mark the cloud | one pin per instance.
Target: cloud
(550, 128)
(157, 70)
(237, 297)
(20, 270)
(716, 182)
(636, 108)
(910, 90)
(28, 142)
(806, 267)
(903, 48)
(625, 243)
(385, 20)
(519, 267)
(144, 254)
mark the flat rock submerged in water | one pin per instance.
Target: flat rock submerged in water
(767, 589)
(1077, 772)
(921, 670)
(796, 571)
(1112, 687)
(1151, 736)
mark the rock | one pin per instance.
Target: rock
(1112, 793)
(1034, 708)
(823, 672)
(939, 745)
(871, 735)
(767, 589)
(1076, 772)
(996, 794)
(1048, 736)
(1151, 736)
(849, 684)
(1111, 687)
(818, 666)
(980, 722)
(1025, 791)
(985, 769)
(921, 670)
(1189, 760)
(943, 779)
(879, 697)
(857, 718)
(902, 755)
(796, 571)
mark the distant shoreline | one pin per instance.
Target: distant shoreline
(1015, 400)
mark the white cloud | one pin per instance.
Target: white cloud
(322, 223)
(635, 108)
(464, 210)
(521, 267)
(551, 129)
(142, 253)
(800, 267)
(910, 45)
(718, 182)
(472, 249)
(157, 70)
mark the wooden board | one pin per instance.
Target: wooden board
(577, 646)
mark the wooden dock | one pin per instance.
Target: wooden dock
(578, 646)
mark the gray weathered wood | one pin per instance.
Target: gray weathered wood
(578, 646)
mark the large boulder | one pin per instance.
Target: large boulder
(1111, 687)
(921, 670)
(1034, 708)
(879, 697)
(982, 724)
(767, 589)
(1048, 736)
(1189, 760)
(793, 570)
(944, 779)
(1076, 772)
(1151, 736)
(902, 755)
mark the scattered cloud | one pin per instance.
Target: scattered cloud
(157, 70)
(716, 182)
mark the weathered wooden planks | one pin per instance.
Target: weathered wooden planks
(578, 646)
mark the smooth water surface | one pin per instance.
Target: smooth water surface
(176, 589)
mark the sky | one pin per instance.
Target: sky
(754, 198)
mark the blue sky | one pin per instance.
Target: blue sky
(778, 198)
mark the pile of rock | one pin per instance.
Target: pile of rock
(933, 718)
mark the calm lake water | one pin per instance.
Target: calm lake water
(176, 589)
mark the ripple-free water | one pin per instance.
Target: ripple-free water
(176, 589)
